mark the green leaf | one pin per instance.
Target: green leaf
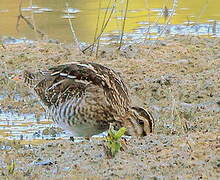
(114, 140)
(111, 131)
(115, 148)
(11, 167)
(120, 133)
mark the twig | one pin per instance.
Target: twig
(104, 25)
(165, 13)
(214, 27)
(190, 147)
(20, 16)
(173, 107)
(146, 3)
(3, 46)
(165, 27)
(105, 15)
(123, 25)
(72, 30)
(185, 127)
(101, 30)
(118, 11)
(202, 10)
(97, 25)
(29, 24)
(154, 24)
(32, 18)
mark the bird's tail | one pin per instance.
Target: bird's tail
(31, 79)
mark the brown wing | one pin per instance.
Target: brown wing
(62, 82)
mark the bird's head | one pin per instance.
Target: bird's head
(140, 122)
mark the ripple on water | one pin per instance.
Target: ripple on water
(67, 16)
(30, 8)
(26, 127)
(206, 29)
(71, 11)
(45, 9)
(11, 40)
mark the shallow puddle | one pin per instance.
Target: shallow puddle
(19, 126)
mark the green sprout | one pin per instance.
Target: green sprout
(114, 140)
(11, 167)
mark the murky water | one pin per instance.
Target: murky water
(145, 18)
(18, 126)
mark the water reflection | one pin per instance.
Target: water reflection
(26, 127)
(197, 17)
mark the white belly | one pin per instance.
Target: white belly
(81, 130)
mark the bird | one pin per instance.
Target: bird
(86, 97)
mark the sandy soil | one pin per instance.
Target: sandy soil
(178, 81)
(192, 156)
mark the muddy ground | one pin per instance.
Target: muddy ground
(177, 79)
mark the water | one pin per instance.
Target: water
(145, 19)
(19, 126)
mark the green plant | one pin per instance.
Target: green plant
(11, 167)
(114, 144)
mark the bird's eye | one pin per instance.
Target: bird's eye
(141, 122)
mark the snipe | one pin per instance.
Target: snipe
(86, 97)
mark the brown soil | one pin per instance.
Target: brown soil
(178, 81)
(192, 156)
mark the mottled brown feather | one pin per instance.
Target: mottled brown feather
(88, 97)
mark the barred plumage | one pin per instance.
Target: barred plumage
(86, 97)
